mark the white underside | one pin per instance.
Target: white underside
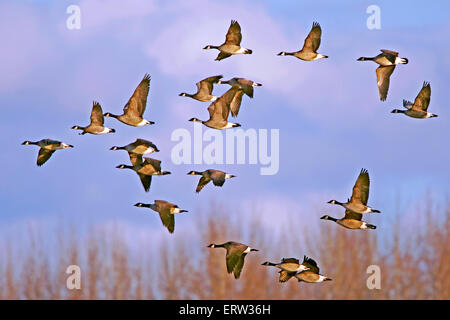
(149, 150)
(143, 123)
(241, 50)
(319, 56)
(105, 130)
(229, 125)
(399, 60)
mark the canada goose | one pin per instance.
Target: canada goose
(140, 146)
(232, 43)
(47, 147)
(216, 176)
(360, 195)
(145, 168)
(418, 109)
(244, 84)
(351, 220)
(310, 46)
(135, 107)
(204, 89)
(220, 109)
(236, 253)
(166, 212)
(387, 60)
(312, 274)
(97, 121)
(290, 265)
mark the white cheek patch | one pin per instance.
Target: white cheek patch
(241, 50)
(247, 250)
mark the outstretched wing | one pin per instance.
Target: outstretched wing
(43, 156)
(234, 35)
(285, 275)
(97, 114)
(206, 85)
(235, 104)
(138, 101)
(312, 41)
(311, 264)
(168, 220)
(423, 98)
(222, 55)
(146, 181)
(407, 104)
(383, 76)
(232, 259)
(352, 215)
(238, 267)
(361, 188)
(203, 182)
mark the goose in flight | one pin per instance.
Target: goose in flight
(139, 147)
(360, 195)
(134, 109)
(46, 148)
(145, 168)
(166, 212)
(419, 108)
(244, 84)
(220, 109)
(216, 176)
(204, 89)
(387, 60)
(312, 274)
(308, 270)
(232, 44)
(290, 266)
(96, 126)
(310, 46)
(236, 253)
(351, 220)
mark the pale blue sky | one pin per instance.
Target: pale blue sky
(330, 118)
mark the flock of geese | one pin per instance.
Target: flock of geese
(219, 110)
